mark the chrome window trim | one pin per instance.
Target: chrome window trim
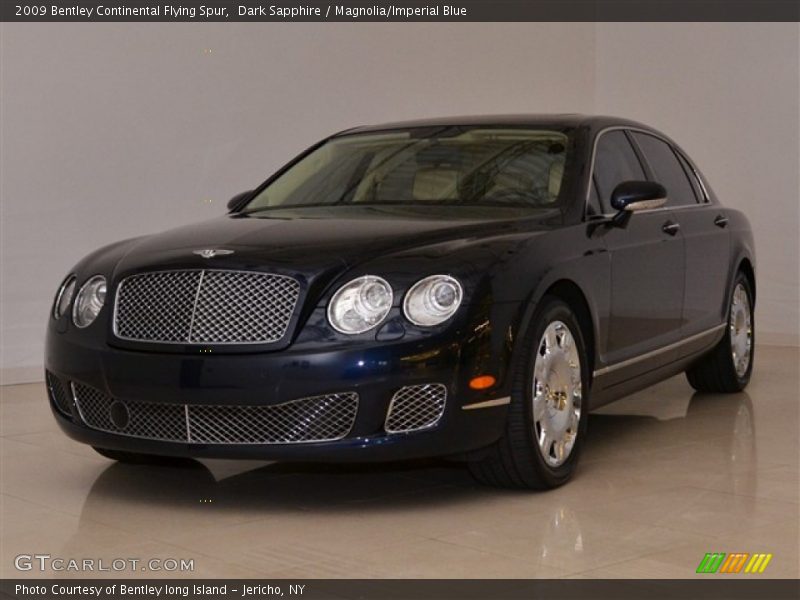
(650, 210)
(647, 132)
(653, 353)
(694, 174)
(119, 284)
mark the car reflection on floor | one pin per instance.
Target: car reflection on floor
(711, 435)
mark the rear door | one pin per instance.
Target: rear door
(704, 228)
(647, 268)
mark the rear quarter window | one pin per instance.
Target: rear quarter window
(694, 178)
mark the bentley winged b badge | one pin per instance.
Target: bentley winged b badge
(211, 252)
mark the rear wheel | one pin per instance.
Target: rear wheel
(727, 368)
(547, 415)
(135, 458)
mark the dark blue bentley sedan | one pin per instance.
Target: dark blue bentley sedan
(463, 287)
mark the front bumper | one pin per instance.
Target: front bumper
(375, 372)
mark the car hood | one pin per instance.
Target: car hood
(316, 239)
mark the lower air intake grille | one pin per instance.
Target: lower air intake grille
(137, 419)
(58, 395)
(318, 419)
(416, 407)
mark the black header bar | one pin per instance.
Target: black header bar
(398, 10)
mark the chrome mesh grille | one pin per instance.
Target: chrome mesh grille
(156, 306)
(58, 395)
(416, 407)
(318, 419)
(322, 418)
(205, 307)
(145, 419)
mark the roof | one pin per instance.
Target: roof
(518, 120)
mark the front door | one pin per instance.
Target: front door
(647, 269)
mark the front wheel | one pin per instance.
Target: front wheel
(727, 368)
(548, 411)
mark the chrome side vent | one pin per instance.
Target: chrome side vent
(58, 395)
(416, 407)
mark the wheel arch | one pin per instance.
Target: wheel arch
(569, 292)
(746, 267)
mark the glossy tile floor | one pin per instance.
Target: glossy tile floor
(666, 477)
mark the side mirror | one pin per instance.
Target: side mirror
(632, 196)
(239, 200)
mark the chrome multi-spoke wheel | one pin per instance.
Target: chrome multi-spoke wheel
(546, 420)
(741, 326)
(557, 393)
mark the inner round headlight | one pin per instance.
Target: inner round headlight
(432, 300)
(64, 297)
(89, 301)
(360, 305)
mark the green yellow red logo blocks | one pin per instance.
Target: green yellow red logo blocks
(737, 562)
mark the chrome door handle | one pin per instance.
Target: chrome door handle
(670, 228)
(721, 221)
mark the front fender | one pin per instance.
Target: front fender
(570, 259)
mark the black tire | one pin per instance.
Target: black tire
(716, 372)
(135, 458)
(515, 461)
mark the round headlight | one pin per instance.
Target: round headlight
(432, 300)
(64, 297)
(360, 305)
(89, 301)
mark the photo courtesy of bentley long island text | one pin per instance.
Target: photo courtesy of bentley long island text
(465, 287)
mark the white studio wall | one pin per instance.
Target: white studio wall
(112, 131)
(120, 130)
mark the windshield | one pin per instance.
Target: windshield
(478, 166)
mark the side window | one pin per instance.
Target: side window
(614, 162)
(666, 169)
(594, 207)
(693, 178)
